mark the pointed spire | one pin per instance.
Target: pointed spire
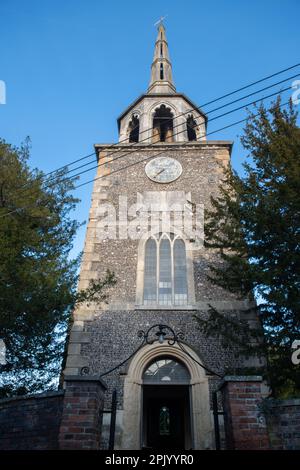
(161, 70)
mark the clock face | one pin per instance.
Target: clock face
(163, 169)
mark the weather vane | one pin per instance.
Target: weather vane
(160, 21)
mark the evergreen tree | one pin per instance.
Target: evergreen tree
(254, 226)
(37, 277)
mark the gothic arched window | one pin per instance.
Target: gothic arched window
(165, 273)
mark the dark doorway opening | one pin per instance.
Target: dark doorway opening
(166, 417)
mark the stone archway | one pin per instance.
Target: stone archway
(202, 428)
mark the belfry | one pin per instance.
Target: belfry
(140, 369)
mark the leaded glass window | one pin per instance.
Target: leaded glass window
(165, 272)
(180, 281)
(166, 370)
(150, 284)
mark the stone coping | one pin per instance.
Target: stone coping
(198, 143)
(85, 378)
(201, 306)
(50, 394)
(165, 307)
(285, 402)
(243, 378)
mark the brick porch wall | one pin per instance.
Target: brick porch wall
(245, 426)
(82, 413)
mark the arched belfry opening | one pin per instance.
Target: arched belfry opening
(134, 129)
(162, 125)
(191, 128)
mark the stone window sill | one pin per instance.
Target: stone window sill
(165, 307)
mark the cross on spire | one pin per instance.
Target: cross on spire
(160, 21)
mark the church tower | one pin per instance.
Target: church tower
(146, 225)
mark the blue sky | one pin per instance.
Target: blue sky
(72, 66)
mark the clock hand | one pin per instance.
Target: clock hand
(159, 172)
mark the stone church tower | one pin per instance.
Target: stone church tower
(145, 225)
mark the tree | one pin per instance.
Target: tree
(254, 226)
(37, 277)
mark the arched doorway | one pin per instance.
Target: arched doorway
(166, 422)
(132, 420)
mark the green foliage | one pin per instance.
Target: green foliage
(233, 332)
(37, 277)
(254, 225)
(95, 293)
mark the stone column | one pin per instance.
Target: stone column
(81, 421)
(245, 426)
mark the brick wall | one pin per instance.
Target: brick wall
(245, 426)
(33, 422)
(82, 413)
(30, 422)
(283, 417)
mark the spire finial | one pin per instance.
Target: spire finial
(160, 21)
(161, 70)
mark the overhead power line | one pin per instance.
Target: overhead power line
(211, 111)
(163, 151)
(130, 151)
(182, 114)
(139, 161)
